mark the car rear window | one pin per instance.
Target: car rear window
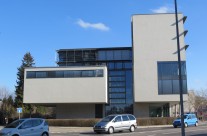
(131, 117)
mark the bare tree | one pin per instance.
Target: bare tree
(191, 101)
(200, 102)
(4, 93)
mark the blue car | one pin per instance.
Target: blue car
(26, 127)
(189, 120)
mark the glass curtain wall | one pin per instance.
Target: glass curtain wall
(168, 78)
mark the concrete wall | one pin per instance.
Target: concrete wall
(141, 110)
(154, 39)
(65, 90)
(65, 111)
(174, 109)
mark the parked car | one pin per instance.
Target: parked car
(26, 127)
(189, 120)
(116, 123)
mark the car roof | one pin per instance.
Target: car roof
(189, 114)
(119, 114)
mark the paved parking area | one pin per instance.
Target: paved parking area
(166, 131)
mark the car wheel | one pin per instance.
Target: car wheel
(45, 134)
(196, 124)
(175, 126)
(132, 128)
(186, 124)
(111, 130)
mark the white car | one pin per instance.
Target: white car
(114, 123)
(26, 127)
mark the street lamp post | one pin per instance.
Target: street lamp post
(179, 68)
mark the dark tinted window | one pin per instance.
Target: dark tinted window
(118, 101)
(116, 73)
(131, 117)
(109, 55)
(118, 65)
(118, 119)
(37, 122)
(51, 74)
(41, 74)
(65, 73)
(116, 84)
(14, 124)
(59, 73)
(168, 78)
(117, 55)
(27, 124)
(101, 55)
(116, 78)
(31, 74)
(99, 73)
(125, 118)
(115, 95)
(116, 90)
(88, 73)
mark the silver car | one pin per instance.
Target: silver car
(116, 123)
(26, 127)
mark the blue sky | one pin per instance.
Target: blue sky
(43, 26)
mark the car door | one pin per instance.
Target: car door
(190, 120)
(125, 122)
(194, 119)
(26, 129)
(37, 127)
(117, 123)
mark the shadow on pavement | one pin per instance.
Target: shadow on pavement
(199, 135)
(92, 133)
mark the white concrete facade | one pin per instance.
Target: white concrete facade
(154, 40)
(66, 90)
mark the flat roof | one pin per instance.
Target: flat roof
(67, 66)
(104, 48)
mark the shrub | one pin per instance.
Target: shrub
(155, 121)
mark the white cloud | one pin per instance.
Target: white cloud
(98, 26)
(163, 9)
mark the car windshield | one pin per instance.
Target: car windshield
(14, 124)
(107, 119)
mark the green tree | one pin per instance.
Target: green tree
(27, 61)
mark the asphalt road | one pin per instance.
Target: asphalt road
(167, 131)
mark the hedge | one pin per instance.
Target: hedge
(155, 121)
(73, 122)
(92, 122)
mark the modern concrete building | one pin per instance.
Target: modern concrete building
(140, 80)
